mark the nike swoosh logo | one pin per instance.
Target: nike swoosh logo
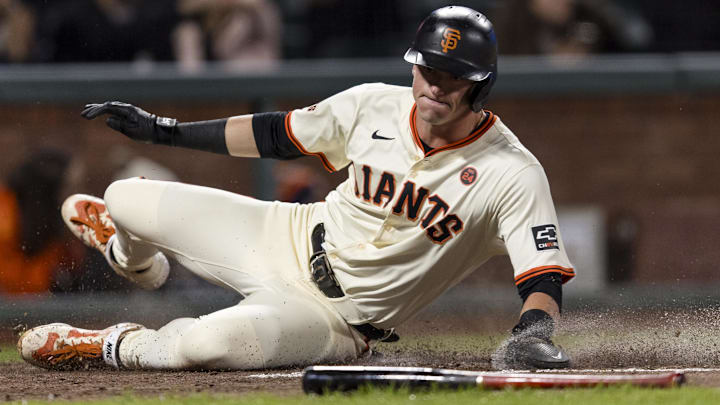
(557, 357)
(376, 136)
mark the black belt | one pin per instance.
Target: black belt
(325, 279)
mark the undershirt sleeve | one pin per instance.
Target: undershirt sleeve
(548, 283)
(271, 138)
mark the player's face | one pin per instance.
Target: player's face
(440, 96)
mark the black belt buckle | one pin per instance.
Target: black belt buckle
(325, 279)
(323, 275)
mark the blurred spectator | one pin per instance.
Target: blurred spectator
(569, 27)
(38, 254)
(242, 33)
(105, 30)
(17, 31)
(298, 183)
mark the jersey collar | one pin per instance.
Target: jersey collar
(474, 136)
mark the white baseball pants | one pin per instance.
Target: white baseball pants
(260, 249)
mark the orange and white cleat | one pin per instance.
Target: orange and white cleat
(59, 346)
(88, 219)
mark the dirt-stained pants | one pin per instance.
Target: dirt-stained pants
(259, 249)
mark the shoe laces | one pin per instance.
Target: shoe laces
(89, 215)
(81, 347)
(65, 353)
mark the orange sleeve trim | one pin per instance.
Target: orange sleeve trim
(565, 272)
(288, 130)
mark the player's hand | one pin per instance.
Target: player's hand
(527, 351)
(133, 121)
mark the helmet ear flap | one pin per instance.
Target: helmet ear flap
(480, 92)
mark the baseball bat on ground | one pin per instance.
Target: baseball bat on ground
(321, 379)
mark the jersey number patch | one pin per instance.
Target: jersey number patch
(545, 237)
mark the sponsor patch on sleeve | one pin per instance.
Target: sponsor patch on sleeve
(545, 237)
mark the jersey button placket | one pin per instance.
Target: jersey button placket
(417, 167)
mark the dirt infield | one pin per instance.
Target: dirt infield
(599, 342)
(21, 381)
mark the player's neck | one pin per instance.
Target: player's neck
(444, 134)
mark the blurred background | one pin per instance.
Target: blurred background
(617, 99)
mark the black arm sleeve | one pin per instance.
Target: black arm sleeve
(548, 283)
(201, 135)
(271, 138)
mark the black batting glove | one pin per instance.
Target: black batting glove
(530, 346)
(134, 122)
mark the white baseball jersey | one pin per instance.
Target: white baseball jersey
(406, 226)
(403, 228)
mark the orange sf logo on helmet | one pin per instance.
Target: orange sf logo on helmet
(452, 36)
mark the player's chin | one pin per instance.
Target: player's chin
(432, 111)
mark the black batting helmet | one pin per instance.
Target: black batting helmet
(461, 41)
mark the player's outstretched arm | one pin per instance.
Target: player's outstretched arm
(232, 136)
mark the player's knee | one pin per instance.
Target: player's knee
(132, 203)
(228, 345)
(116, 196)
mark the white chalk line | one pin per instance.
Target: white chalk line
(294, 374)
(635, 370)
(298, 374)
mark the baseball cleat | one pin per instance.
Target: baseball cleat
(59, 346)
(530, 352)
(88, 219)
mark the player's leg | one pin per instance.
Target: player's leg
(255, 247)
(228, 239)
(268, 329)
(258, 248)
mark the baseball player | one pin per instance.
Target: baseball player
(436, 186)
